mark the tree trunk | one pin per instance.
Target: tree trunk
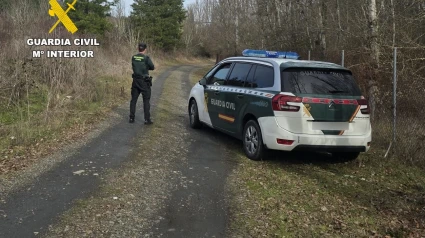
(373, 31)
(393, 20)
(375, 51)
(236, 34)
(338, 13)
(322, 25)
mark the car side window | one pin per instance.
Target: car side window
(250, 78)
(263, 77)
(219, 76)
(208, 75)
(239, 74)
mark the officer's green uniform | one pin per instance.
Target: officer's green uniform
(141, 65)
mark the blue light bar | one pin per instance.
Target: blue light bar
(270, 54)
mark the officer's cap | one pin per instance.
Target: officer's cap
(142, 46)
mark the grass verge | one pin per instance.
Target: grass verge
(310, 195)
(36, 132)
(198, 74)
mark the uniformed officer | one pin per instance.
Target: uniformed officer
(142, 83)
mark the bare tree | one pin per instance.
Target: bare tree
(375, 51)
(340, 30)
(322, 26)
(119, 20)
(189, 29)
(373, 31)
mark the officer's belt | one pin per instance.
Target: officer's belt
(140, 77)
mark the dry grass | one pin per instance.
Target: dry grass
(306, 195)
(42, 98)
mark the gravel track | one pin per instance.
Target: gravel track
(199, 206)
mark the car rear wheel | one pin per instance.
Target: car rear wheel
(194, 115)
(345, 156)
(252, 141)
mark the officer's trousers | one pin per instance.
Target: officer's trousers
(140, 87)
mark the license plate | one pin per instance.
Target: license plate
(331, 126)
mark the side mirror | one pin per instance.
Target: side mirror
(203, 82)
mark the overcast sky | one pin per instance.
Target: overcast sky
(129, 2)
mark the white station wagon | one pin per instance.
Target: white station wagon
(272, 100)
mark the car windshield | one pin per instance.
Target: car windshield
(319, 81)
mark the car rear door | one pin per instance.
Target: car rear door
(321, 101)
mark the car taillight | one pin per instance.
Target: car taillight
(364, 102)
(284, 142)
(280, 103)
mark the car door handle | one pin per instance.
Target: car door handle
(216, 92)
(240, 96)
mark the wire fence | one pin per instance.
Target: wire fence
(399, 120)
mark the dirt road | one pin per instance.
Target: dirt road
(132, 180)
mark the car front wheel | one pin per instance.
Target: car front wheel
(253, 141)
(194, 115)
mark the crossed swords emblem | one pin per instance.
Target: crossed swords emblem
(57, 10)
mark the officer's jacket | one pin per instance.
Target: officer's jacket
(141, 65)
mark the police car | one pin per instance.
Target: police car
(273, 100)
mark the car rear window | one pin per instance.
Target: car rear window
(319, 81)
